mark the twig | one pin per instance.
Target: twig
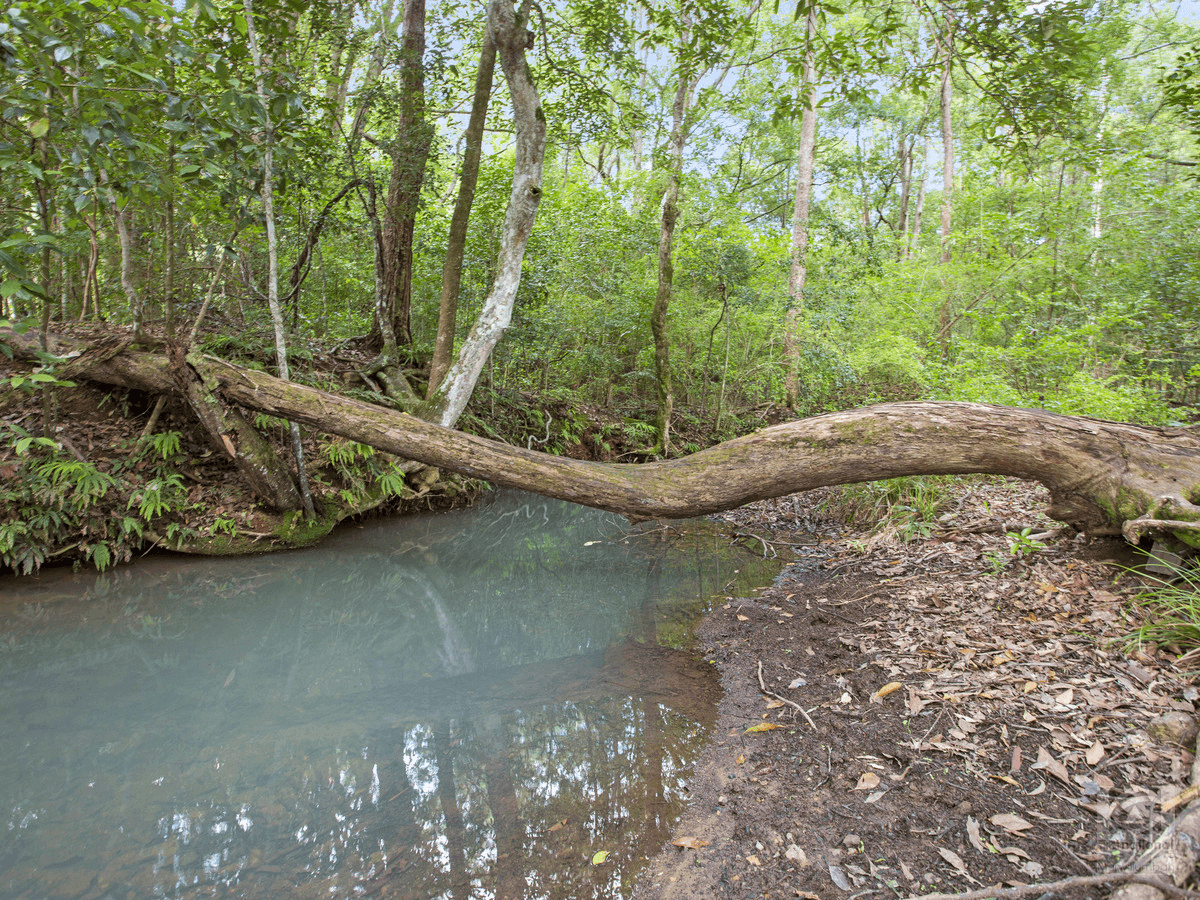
(767, 548)
(1027, 890)
(762, 684)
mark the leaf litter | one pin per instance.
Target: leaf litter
(973, 723)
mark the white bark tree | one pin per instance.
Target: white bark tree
(507, 29)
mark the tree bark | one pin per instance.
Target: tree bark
(456, 243)
(800, 214)
(410, 152)
(506, 28)
(1101, 475)
(666, 251)
(947, 42)
(268, 201)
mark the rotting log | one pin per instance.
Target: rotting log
(1101, 475)
(264, 471)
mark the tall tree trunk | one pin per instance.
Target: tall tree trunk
(666, 251)
(268, 201)
(443, 348)
(798, 272)
(410, 152)
(947, 43)
(169, 239)
(919, 206)
(506, 28)
(904, 150)
(128, 283)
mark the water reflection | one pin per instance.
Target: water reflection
(461, 706)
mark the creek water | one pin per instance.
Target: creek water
(461, 705)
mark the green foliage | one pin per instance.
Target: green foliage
(904, 507)
(357, 470)
(1170, 607)
(54, 504)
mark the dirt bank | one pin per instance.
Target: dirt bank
(1010, 745)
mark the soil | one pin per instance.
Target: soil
(938, 715)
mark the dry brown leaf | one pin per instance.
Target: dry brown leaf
(690, 843)
(915, 703)
(954, 859)
(1066, 698)
(888, 688)
(775, 704)
(1051, 765)
(742, 618)
(1012, 851)
(867, 781)
(1015, 766)
(1010, 822)
(1094, 754)
(973, 835)
(753, 860)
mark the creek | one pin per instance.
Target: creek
(463, 705)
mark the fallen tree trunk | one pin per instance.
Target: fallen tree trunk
(1101, 475)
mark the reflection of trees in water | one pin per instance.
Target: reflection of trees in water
(512, 772)
(519, 802)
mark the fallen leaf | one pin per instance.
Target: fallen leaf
(762, 726)
(742, 618)
(1010, 822)
(1051, 765)
(556, 826)
(1094, 754)
(599, 857)
(775, 704)
(690, 843)
(797, 855)
(753, 860)
(915, 703)
(1012, 852)
(890, 687)
(1030, 686)
(839, 877)
(973, 835)
(1066, 698)
(1032, 869)
(954, 859)
(1015, 767)
(867, 781)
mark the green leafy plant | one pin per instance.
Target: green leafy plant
(1022, 544)
(158, 496)
(223, 526)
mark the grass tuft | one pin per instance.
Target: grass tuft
(1171, 609)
